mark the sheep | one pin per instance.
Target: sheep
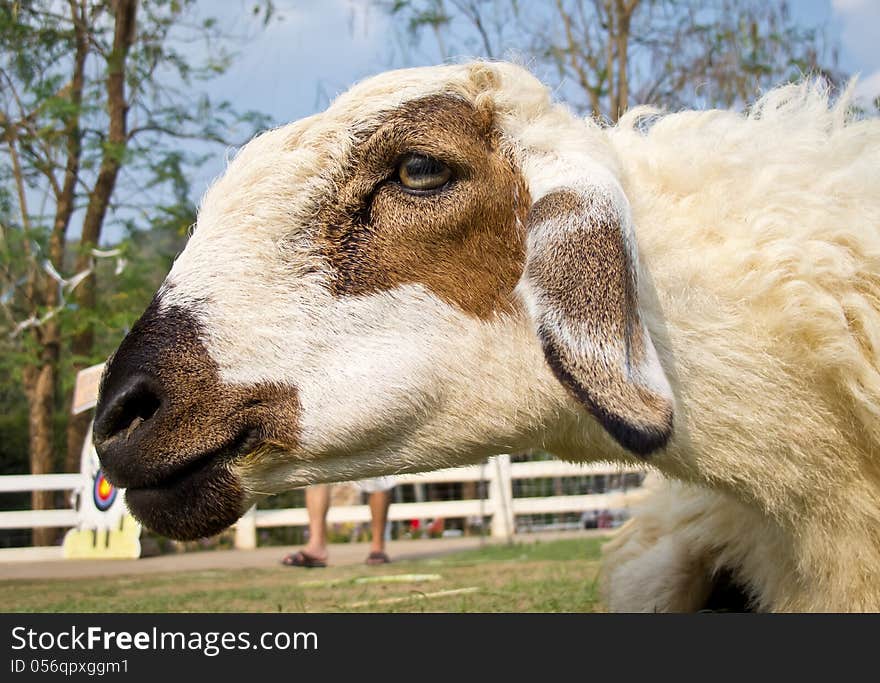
(446, 265)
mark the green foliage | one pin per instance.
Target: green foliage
(49, 128)
(13, 432)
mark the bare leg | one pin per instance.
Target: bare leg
(317, 504)
(379, 503)
(314, 554)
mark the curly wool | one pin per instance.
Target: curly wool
(761, 235)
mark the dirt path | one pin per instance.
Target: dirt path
(341, 554)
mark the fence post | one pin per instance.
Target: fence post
(246, 530)
(501, 497)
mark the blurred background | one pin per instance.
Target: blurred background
(116, 114)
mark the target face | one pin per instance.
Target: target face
(103, 492)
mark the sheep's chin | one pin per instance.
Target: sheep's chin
(199, 503)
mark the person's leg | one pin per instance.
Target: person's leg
(315, 551)
(379, 503)
(317, 504)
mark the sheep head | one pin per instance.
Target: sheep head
(439, 267)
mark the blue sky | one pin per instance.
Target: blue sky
(318, 48)
(315, 49)
(857, 24)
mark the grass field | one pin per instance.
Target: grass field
(550, 576)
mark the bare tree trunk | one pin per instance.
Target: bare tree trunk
(574, 48)
(39, 384)
(610, 62)
(67, 196)
(99, 199)
(625, 11)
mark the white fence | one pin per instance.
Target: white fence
(36, 519)
(33, 519)
(500, 503)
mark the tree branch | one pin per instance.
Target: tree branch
(111, 160)
(472, 12)
(576, 67)
(158, 128)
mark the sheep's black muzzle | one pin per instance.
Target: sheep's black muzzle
(167, 429)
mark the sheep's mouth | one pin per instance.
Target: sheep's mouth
(200, 499)
(172, 431)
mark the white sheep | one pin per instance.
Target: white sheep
(445, 265)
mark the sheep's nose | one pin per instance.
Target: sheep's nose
(124, 413)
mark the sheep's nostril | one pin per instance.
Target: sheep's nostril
(127, 409)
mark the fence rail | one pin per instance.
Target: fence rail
(35, 519)
(500, 504)
(12, 483)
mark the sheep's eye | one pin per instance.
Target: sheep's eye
(422, 173)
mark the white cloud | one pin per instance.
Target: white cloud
(860, 22)
(849, 5)
(308, 53)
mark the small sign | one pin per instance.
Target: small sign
(104, 528)
(85, 391)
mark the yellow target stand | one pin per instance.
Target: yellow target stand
(104, 528)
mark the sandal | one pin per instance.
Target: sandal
(378, 557)
(301, 559)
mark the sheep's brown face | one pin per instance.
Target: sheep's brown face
(363, 295)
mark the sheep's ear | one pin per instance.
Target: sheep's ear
(579, 284)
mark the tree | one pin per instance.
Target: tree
(95, 99)
(616, 53)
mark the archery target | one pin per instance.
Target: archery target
(103, 492)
